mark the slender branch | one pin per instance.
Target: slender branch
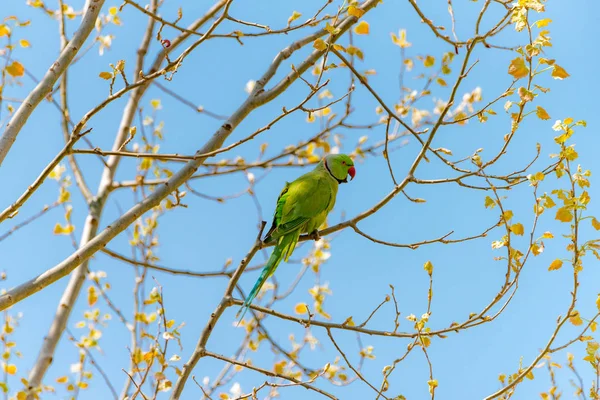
(64, 109)
(29, 220)
(356, 371)
(188, 103)
(157, 18)
(416, 245)
(173, 271)
(269, 373)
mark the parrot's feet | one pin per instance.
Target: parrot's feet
(314, 235)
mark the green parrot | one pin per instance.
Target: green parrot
(302, 207)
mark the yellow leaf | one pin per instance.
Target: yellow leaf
(57, 172)
(92, 296)
(525, 94)
(517, 68)
(62, 379)
(64, 195)
(539, 176)
(68, 211)
(489, 202)
(15, 69)
(559, 72)
(596, 224)
(295, 16)
(24, 43)
(529, 375)
(556, 264)
(145, 164)
(155, 103)
(4, 30)
(584, 198)
(517, 229)
(120, 65)
(537, 249)
(568, 121)
(593, 326)
(563, 215)
(548, 235)
(575, 318)
(541, 113)
(401, 39)
(355, 11)
(320, 44)
(331, 29)
(598, 302)
(548, 202)
(21, 395)
(433, 383)
(10, 369)
(301, 308)
(429, 61)
(355, 51)
(279, 367)
(113, 10)
(543, 22)
(60, 230)
(105, 75)
(362, 28)
(224, 396)
(428, 267)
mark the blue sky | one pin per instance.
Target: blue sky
(359, 272)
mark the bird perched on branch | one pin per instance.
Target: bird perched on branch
(302, 207)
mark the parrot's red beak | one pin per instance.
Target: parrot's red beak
(351, 172)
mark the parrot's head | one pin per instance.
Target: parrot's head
(340, 166)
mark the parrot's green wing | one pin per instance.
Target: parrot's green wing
(278, 211)
(301, 200)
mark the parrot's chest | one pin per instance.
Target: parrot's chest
(318, 220)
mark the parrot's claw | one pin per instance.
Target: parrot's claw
(315, 235)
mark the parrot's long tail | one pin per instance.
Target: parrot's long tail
(282, 250)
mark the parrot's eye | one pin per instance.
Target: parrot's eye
(344, 162)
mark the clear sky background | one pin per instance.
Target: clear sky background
(359, 272)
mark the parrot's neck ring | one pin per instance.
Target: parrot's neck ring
(334, 177)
